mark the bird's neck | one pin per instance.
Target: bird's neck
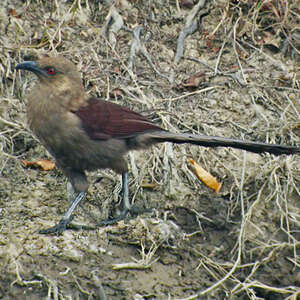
(58, 97)
(46, 103)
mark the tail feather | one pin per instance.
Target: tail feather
(214, 141)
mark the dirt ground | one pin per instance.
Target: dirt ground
(239, 76)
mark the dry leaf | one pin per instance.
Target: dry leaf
(195, 80)
(44, 164)
(215, 49)
(117, 93)
(116, 70)
(242, 54)
(151, 186)
(209, 44)
(204, 176)
(187, 3)
(12, 12)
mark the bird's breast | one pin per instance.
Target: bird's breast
(56, 129)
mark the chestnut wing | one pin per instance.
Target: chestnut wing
(103, 120)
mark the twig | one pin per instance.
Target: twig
(136, 47)
(220, 54)
(101, 293)
(191, 25)
(12, 124)
(236, 54)
(190, 94)
(143, 263)
(240, 241)
(112, 26)
(276, 62)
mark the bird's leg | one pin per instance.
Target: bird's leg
(125, 194)
(125, 203)
(67, 218)
(127, 207)
(70, 191)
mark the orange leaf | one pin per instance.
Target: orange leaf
(12, 12)
(204, 176)
(44, 164)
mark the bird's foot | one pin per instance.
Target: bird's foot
(133, 211)
(58, 228)
(115, 220)
(66, 223)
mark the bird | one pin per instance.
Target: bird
(84, 133)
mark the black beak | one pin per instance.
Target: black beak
(31, 66)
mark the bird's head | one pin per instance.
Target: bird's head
(60, 81)
(50, 69)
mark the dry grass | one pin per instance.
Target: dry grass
(243, 243)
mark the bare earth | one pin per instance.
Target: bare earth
(239, 76)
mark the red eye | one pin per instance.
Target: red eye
(51, 71)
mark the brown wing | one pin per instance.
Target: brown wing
(103, 120)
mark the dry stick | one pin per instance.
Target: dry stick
(87, 5)
(234, 76)
(240, 239)
(287, 42)
(285, 226)
(292, 105)
(58, 30)
(218, 72)
(190, 94)
(245, 286)
(142, 98)
(248, 278)
(294, 262)
(191, 25)
(292, 239)
(143, 263)
(113, 25)
(225, 14)
(188, 298)
(12, 124)
(100, 292)
(131, 74)
(288, 290)
(136, 47)
(19, 279)
(178, 6)
(275, 87)
(235, 51)
(259, 112)
(277, 63)
(220, 54)
(199, 62)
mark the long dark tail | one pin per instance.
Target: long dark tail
(214, 141)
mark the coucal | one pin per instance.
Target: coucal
(84, 133)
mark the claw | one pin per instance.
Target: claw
(115, 220)
(58, 228)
